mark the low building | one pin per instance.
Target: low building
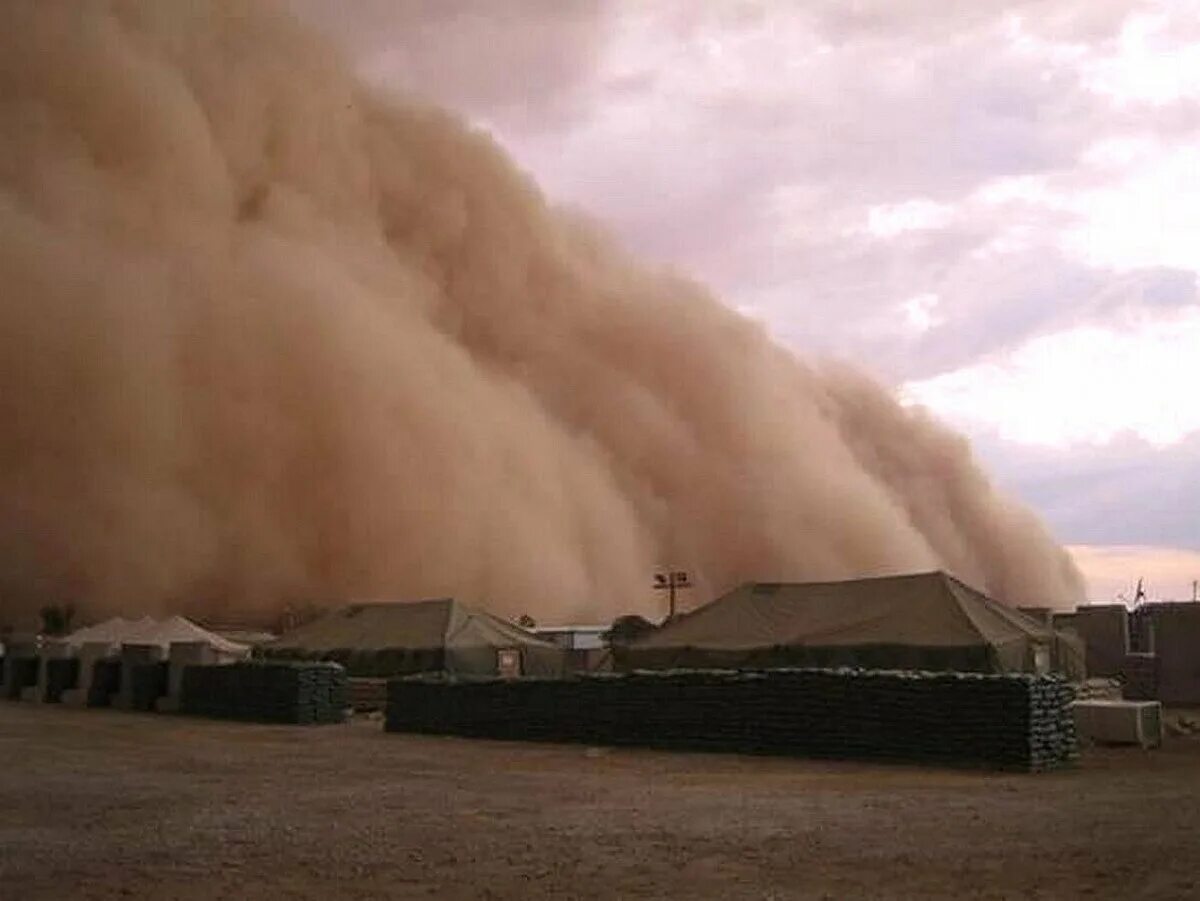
(1154, 649)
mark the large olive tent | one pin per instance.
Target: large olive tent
(386, 638)
(928, 621)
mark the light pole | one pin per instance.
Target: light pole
(670, 581)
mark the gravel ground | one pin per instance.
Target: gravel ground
(103, 804)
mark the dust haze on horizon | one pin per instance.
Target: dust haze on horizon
(271, 335)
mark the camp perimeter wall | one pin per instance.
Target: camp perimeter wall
(274, 692)
(1017, 722)
(19, 673)
(269, 691)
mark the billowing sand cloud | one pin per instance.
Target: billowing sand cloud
(270, 336)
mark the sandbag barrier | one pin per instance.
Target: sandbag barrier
(266, 692)
(1012, 722)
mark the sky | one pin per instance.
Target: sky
(987, 205)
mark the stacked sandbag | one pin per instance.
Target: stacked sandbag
(266, 691)
(1054, 741)
(1099, 688)
(1013, 722)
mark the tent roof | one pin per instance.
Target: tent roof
(930, 609)
(419, 625)
(148, 630)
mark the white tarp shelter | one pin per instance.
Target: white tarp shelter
(160, 632)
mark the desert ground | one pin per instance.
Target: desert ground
(106, 804)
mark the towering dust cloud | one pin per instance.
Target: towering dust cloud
(268, 335)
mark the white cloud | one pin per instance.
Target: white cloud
(888, 220)
(918, 312)
(1084, 385)
(1130, 203)
(1146, 218)
(1015, 188)
(1153, 63)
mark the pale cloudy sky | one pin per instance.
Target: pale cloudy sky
(991, 205)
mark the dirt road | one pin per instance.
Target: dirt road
(100, 804)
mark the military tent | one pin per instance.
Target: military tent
(926, 621)
(158, 632)
(387, 638)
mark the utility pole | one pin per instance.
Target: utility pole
(670, 581)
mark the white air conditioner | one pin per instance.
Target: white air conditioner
(1120, 722)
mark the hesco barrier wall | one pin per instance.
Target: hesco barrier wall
(106, 682)
(1017, 722)
(148, 683)
(61, 674)
(22, 672)
(268, 692)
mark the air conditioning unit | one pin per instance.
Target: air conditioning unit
(1119, 722)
